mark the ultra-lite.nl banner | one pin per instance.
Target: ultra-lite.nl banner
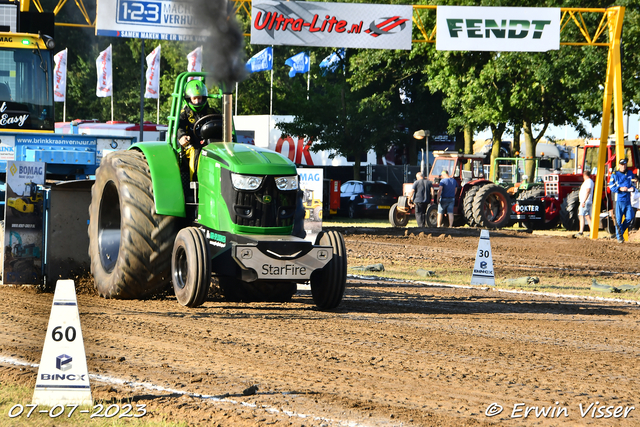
(353, 25)
(498, 29)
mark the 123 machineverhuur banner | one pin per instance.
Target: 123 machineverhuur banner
(351, 25)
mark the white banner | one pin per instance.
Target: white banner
(261, 131)
(152, 88)
(298, 23)
(103, 64)
(498, 29)
(194, 60)
(60, 76)
(158, 19)
(311, 183)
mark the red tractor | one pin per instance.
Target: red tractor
(479, 202)
(558, 202)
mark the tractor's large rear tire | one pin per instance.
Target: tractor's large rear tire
(328, 284)
(191, 267)
(569, 211)
(532, 193)
(397, 218)
(129, 243)
(492, 207)
(467, 204)
(609, 224)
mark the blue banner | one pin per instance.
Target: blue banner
(299, 64)
(332, 61)
(261, 61)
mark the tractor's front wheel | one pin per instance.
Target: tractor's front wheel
(397, 218)
(190, 267)
(328, 284)
(129, 243)
(432, 216)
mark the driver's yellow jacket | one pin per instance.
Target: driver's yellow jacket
(186, 121)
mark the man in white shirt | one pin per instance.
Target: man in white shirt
(585, 199)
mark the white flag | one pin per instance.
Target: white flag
(103, 64)
(194, 61)
(60, 79)
(152, 89)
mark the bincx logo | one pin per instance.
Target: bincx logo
(386, 26)
(63, 362)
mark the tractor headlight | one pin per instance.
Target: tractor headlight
(246, 182)
(285, 183)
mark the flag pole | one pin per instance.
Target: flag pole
(111, 84)
(142, 84)
(271, 92)
(236, 99)
(64, 108)
(158, 110)
(308, 77)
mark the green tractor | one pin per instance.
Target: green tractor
(508, 173)
(149, 225)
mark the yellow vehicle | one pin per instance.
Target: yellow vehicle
(312, 207)
(30, 202)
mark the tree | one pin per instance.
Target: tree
(393, 80)
(532, 90)
(340, 119)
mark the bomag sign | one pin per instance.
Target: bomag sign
(501, 29)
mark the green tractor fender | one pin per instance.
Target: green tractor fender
(165, 177)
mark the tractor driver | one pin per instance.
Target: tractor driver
(195, 108)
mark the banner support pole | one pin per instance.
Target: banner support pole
(142, 90)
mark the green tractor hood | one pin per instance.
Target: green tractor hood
(239, 158)
(248, 159)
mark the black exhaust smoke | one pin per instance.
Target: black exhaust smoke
(222, 53)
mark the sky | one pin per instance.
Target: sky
(567, 132)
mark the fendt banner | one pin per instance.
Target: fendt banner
(498, 29)
(299, 23)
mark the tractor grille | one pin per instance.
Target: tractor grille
(265, 207)
(551, 185)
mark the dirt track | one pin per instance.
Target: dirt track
(392, 354)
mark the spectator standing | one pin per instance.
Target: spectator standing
(421, 195)
(447, 197)
(585, 199)
(621, 183)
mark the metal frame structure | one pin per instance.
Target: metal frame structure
(609, 27)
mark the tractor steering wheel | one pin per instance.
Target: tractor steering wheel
(197, 127)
